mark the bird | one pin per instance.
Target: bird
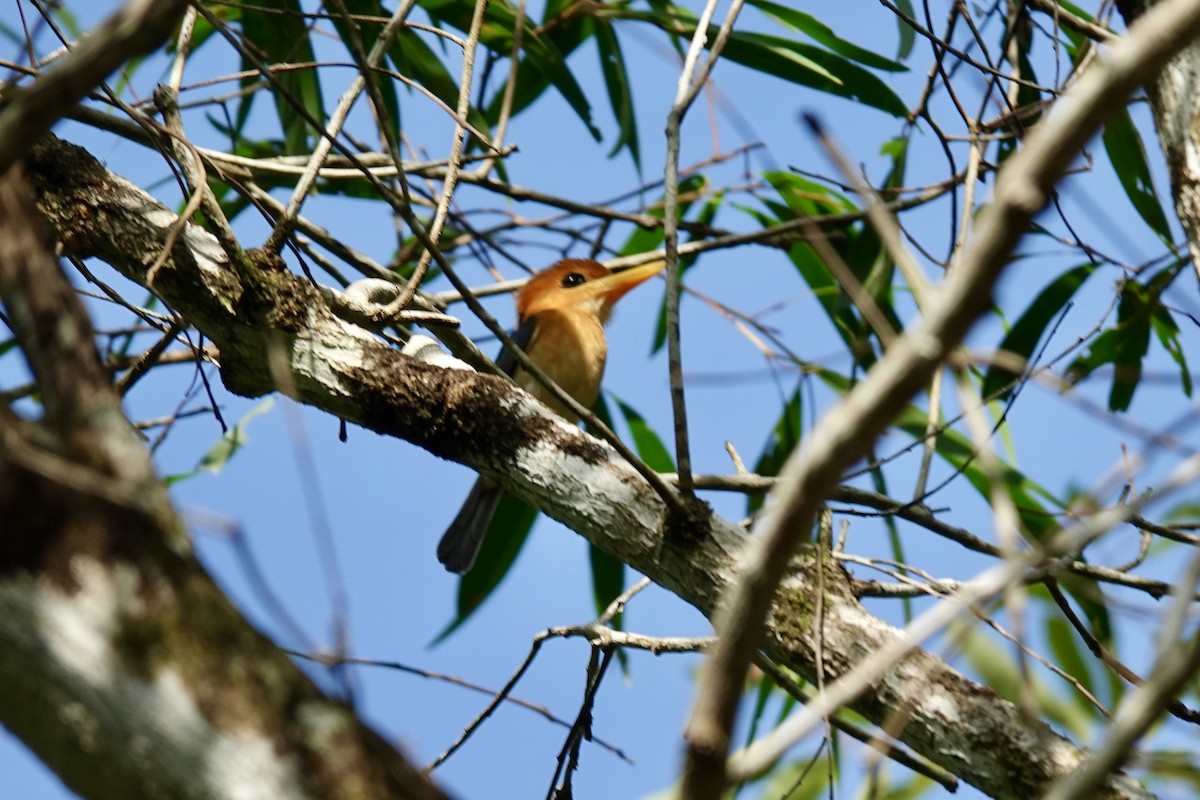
(561, 313)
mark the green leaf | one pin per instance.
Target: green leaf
(1037, 521)
(608, 573)
(620, 94)
(814, 67)
(999, 672)
(542, 64)
(796, 62)
(647, 443)
(823, 34)
(414, 58)
(806, 198)
(608, 581)
(897, 150)
(1065, 645)
(1168, 335)
(907, 35)
(369, 35)
(643, 240)
(227, 446)
(1022, 339)
(784, 438)
(1127, 153)
(283, 39)
(1124, 346)
(502, 543)
(764, 690)
(707, 214)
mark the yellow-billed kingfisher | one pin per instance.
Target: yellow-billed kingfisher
(561, 314)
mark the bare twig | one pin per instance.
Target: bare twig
(136, 28)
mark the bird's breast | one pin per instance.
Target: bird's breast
(570, 349)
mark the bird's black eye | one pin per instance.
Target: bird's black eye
(572, 279)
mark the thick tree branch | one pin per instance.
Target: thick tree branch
(489, 424)
(125, 668)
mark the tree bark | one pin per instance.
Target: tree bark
(265, 315)
(1175, 99)
(124, 667)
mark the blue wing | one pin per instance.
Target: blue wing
(521, 337)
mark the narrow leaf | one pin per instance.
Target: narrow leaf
(283, 39)
(505, 537)
(1022, 339)
(647, 443)
(233, 440)
(1127, 154)
(823, 34)
(620, 94)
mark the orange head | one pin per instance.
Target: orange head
(580, 285)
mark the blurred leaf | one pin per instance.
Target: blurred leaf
(804, 778)
(869, 261)
(608, 581)
(823, 34)
(764, 690)
(620, 94)
(907, 35)
(895, 542)
(999, 672)
(1174, 765)
(960, 453)
(227, 446)
(897, 150)
(805, 198)
(1037, 521)
(1065, 645)
(1168, 335)
(836, 304)
(784, 438)
(1187, 511)
(504, 539)
(1127, 153)
(1022, 339)
(1125, 344)
(282, 38)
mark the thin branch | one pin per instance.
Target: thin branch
(135, 29)
(688, 88)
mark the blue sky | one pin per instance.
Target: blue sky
(384, 503)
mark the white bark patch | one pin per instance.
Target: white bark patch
(77, 628)
(425, 349)
(329, 349)
(205, 248)
(161, 728)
